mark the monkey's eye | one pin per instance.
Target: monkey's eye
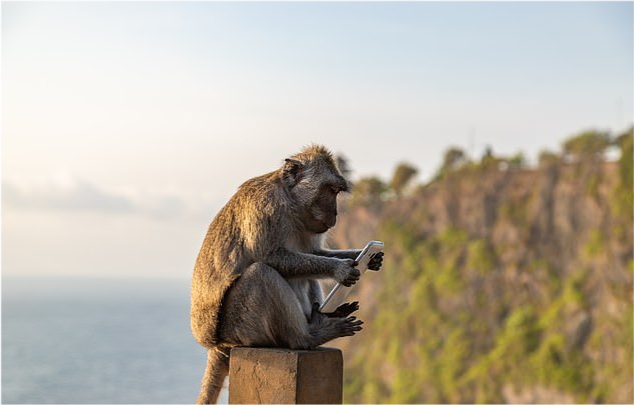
(334, 190)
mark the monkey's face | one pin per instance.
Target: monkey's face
(314, 187)
(323, 209)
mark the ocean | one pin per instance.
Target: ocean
(98, 341)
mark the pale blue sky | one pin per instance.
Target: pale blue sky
(125, 126)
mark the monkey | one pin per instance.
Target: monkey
(255, 280)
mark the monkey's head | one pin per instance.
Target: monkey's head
(314, 182)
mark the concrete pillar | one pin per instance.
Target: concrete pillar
(282, 376)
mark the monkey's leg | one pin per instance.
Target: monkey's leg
(261, 309)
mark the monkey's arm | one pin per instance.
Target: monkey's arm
(375, 262)
(295, 264)
(341, 254)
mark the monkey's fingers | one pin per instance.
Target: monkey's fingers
(348, 308)
(344, 310)
(349, 328)
(352, 324)
(350, 281)
(354, 321)
(376, 261)
(354, 276)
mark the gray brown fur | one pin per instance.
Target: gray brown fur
(255, 278)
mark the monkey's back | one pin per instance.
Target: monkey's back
(234, 241)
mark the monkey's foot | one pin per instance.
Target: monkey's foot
(349, 326)
(324, 328)
(343, 310)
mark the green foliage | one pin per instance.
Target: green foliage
(453, 159)
(405, 389)
(626, 143)
(517, 161)
(403, 174)
(369, 191)
(520, 335)
(623, 195)
(595, 245)
(518, 338)
(593, 180)
(588, 145)
(452, 240)
(514, 211)
(547, 158)
(558, 367)
(480, 257)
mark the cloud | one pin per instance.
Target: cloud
(79, 196)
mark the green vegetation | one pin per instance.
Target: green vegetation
(547, 157)
(493, 300)
(626, 142)
(589, 145)
(595, 245)
(403, 175)
(623, 195)
(454, 159)
(369, 192)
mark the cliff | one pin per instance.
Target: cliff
(501, 283)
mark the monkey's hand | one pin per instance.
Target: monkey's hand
(345, 272)
(344, 310)
(376, 261)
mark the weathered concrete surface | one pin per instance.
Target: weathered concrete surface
(281, 376)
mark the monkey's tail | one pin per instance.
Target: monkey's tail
(215, 373)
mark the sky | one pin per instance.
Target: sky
(127, 125)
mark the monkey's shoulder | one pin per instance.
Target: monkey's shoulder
(260, 184)
(264, 194)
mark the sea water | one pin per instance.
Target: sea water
(98, 341)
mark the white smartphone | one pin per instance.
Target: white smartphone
(338, 294)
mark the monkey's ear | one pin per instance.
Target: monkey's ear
(292, 170)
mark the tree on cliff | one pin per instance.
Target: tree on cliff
(625, 193)
(548, 158)
(453, 159)
(625, 141)
(587, 146)
(369, 192)
(403, 174)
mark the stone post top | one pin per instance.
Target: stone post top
(269, 375)
(243, 349)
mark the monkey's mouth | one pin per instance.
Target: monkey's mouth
(330, 222)
(321, 221)
(327, 223)
(321, 225)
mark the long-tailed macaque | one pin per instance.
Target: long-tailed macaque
(255, 282)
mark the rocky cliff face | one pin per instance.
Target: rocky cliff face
(500, 284)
